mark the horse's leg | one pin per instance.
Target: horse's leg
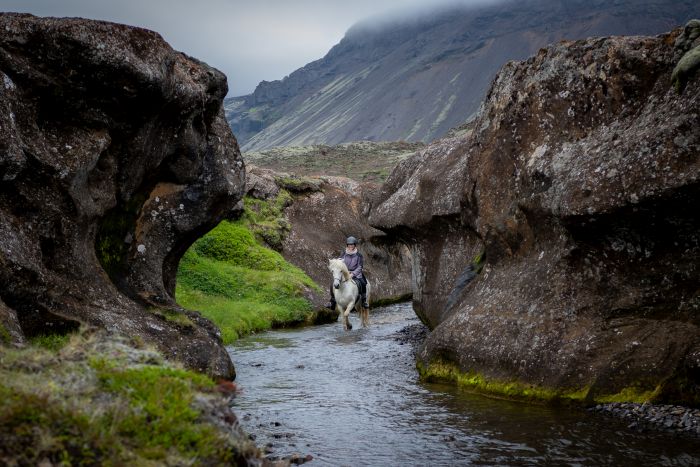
(361, 313)
(346, 314)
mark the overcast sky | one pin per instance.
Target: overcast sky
(249, 40)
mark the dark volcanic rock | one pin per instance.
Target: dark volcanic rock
(580, 186)
(115, 156)
(321, 218)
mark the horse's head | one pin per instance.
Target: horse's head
(339, 270)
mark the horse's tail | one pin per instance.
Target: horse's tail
(364, 312)
(369, 288)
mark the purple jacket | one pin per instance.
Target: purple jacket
(354, 263)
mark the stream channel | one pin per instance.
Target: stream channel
(353, 398)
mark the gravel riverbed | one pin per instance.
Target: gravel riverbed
(669, 418)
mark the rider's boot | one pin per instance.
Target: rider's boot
(364, 302)
(331, 302)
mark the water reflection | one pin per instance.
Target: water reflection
(352, 398)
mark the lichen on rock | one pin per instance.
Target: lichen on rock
(687, 43)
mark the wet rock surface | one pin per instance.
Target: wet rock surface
(413, 335)
(573, 199)
(669, 418)
(114, 157)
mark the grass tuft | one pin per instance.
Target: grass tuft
(5, 336)
(50, 341)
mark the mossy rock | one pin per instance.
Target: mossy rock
(687, 66)
(111, 244)
(178, 317)
(297, 184)
(104, 400)
(5, 337)
(440, 370)
(443, 371)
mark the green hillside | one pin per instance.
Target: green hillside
(240, 284)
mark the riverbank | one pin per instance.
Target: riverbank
(679, 420)
(95, 398)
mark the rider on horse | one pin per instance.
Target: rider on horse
(354, 261)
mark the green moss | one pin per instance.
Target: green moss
(241, 299)
(34, 428)
(176, 317)
(110, 245)
(265, 219)
(479, 261)
(441, 371)
(50, 341)
(100, 401)
(233, 278)
(5, 337)
(238, 283)
(234, 243)
(298, 184)
(685, 69)
(160, 415)
(630, 394)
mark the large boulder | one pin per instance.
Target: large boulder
(114, 157)
(557, 244)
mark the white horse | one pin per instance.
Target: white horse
(346, 293)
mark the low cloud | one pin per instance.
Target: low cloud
(249, 41)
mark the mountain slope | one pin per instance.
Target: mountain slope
(414, 79)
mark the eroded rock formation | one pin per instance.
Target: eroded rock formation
(114, 157)
(576, 197)
(324, 212)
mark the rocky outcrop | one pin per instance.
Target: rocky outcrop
(323, 213)
(689, 44)
(115, 157)
(413, 78)
(557, 244)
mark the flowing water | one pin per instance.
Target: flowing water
(353, 398)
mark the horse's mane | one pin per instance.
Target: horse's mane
(339, 264)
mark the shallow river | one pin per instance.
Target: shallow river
(353, 398)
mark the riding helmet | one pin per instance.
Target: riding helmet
(351, 241)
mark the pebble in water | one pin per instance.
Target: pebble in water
(673, 418)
